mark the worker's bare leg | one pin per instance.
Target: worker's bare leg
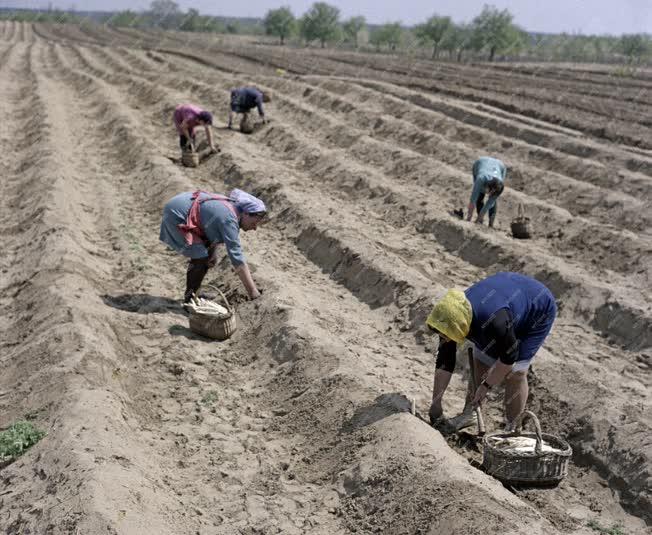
(516, 392)
(441, 380)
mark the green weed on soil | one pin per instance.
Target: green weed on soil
(614, 530)
(18, 439)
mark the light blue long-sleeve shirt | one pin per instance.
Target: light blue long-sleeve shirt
(218, 222)
(486, 169)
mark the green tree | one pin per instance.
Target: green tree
(165, 13)
(192, 21)
(457, 40)
(433, 32)
(493, 30)
(279, 22)
(164, 8)
(124, 18)
(321, 23)
(376, 38)
(635, 46)
(388, 34)
(352, 28)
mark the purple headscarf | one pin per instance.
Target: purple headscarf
(206, 117)
(246, 202)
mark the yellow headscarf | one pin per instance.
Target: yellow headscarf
(452, 316)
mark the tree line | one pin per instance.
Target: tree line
(491, 35)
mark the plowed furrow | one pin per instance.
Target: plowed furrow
(481, 79)
(575, 147)
(425, 139)
(475, 135)
(403, 160)
(609, 75)
(252, 507)
(542, 77)
(585, 122)
(614, 455)
(297, 423)
(333, 168)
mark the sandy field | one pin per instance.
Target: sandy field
(300, 423)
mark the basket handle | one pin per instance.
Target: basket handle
(226, 302)
(521, 211)
(537, 428)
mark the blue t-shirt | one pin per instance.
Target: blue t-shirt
(529, 303)
(246, 98)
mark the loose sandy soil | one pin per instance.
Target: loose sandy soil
(300, 423)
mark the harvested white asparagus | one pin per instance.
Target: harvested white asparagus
(198, 305)
(520, 444)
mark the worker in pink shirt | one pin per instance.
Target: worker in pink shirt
(186, 118)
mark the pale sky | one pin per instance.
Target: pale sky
(572, 16)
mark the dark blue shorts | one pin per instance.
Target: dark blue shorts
(534, 338)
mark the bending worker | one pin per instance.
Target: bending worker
(186, 118)
(195, 223)
(488, 179)
(244, 99)
(506, 316)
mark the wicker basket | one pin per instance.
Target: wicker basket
(246, 124)
(521, 225)
(190, 158)
(534, 467)
(215, 327)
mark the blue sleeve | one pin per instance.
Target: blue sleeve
(259, 103)
(231, 236)
(503, 171)
(224, 228)
(478, 187)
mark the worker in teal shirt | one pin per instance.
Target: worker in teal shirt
(488, 179)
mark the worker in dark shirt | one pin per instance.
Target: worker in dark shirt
(507, 317)
(244, 99)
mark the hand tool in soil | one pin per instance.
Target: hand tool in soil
(478, 409)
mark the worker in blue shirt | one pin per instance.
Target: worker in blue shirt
(488, 179)
(244, 99)
(507, 317)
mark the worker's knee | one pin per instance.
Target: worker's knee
(516, 377)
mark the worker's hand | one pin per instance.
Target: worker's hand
(264, 120)
(480, 394)
(435, 412)
(214, 149)
(479, 220)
